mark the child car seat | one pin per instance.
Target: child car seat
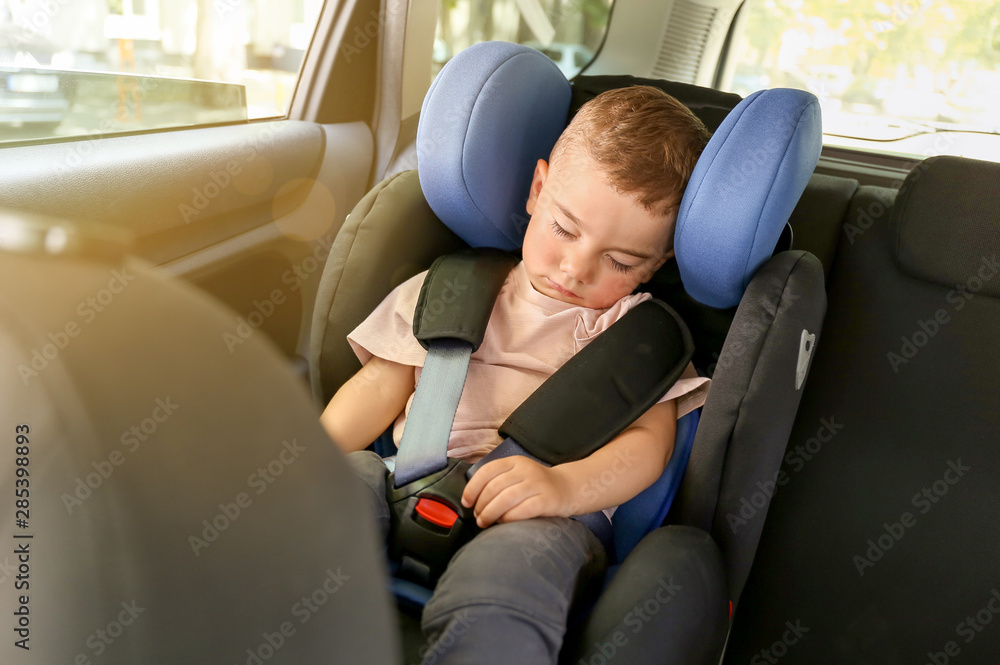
(491, 113)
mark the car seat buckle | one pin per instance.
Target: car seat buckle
(428, 522)
(436, 512)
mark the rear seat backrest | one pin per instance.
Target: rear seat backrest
(882, 539)
(818, 219)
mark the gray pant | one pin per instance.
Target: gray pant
(506, 595)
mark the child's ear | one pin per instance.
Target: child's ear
(541, 173)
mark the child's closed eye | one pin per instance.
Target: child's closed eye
(617, 265)
(620, 267)
(560, 231)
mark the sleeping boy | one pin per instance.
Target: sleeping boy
(602, 213)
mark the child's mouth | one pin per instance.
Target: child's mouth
(561, 290)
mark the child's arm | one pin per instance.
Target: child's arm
(517, 488)
(368, 403)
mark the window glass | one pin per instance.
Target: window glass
(568, 31)
(76, 67)
(916, 77)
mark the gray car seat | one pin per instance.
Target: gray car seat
(882, 541)
(166, 500)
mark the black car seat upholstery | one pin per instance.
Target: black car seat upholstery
(881, 544)
(181, 503)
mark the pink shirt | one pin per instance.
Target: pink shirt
(529, 336)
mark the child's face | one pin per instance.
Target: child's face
(586, 244)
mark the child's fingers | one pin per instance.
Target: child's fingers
(490, 499)
(505, 498)
(489, 471)
(533, 506)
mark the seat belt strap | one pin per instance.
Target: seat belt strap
(507, 448)
(605, 387)
(450, 320)
(424, 446)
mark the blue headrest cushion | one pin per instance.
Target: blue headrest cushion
(743, 190)
(492, 112)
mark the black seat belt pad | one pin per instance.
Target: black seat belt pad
(605, 387)
(458, 294)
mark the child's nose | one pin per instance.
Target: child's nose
(577, 266)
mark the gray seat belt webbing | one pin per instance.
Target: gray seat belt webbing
(424, 446)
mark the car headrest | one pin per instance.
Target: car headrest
(496, 108)
(944, 218)
(492, 112)
(743, 190)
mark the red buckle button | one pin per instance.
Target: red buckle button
(436, 512)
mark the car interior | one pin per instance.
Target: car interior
(175, 305)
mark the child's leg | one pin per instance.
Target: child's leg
(506, 595)
(371, 469)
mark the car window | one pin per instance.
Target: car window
(109, 66)
(916, 78)
(568, 31)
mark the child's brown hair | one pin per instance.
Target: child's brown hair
(645, 142)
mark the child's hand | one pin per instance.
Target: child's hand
(517, 488)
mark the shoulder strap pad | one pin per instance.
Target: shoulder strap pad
(605, 387)
(458, 294)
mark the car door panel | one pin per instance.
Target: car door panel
(246, 212)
